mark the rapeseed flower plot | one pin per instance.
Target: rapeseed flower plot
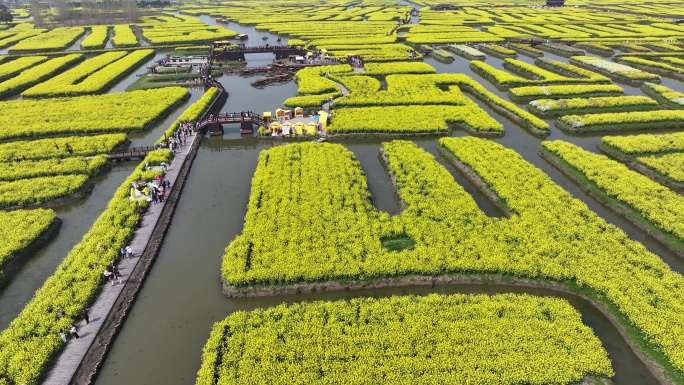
(502, 339)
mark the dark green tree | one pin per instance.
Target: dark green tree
(6, 17)
(5, 14)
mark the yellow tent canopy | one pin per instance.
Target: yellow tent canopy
(323, 119)
(311, 128)
(299, 129)
(274, 125)
(299, 124)
(267, 114)
(299, 111)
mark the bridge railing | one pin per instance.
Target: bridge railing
(133, 149)
(233, 117)
(258, 48)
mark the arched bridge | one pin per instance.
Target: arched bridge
(247, 120)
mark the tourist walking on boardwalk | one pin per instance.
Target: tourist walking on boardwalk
(63, 335)
(85, 316)
(73, 331)
(129, 252)
(115, 271)
(109, 276)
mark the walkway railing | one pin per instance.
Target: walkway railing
(260, 48)
(233, 117)
(131, 152)
(213, 109)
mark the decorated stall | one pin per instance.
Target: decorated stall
(312, 128)
(285, 114)
(322, 119)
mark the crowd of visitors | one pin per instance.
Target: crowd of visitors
(206, 78)
(157, 191)
(355, 61)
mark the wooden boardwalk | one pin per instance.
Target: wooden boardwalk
(68, 362)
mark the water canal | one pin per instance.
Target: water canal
(163, 337)
(79, 216)
(162, 340)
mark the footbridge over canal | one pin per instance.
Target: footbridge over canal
(247, 120)
(214, 109)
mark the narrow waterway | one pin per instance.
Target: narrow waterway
(163, 337)
(171, 320)
(78, 217)
(76, 220)
(134, 75)
(527, 145)
(76, 46)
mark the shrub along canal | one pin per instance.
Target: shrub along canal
(170, 322)
(77, 217)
